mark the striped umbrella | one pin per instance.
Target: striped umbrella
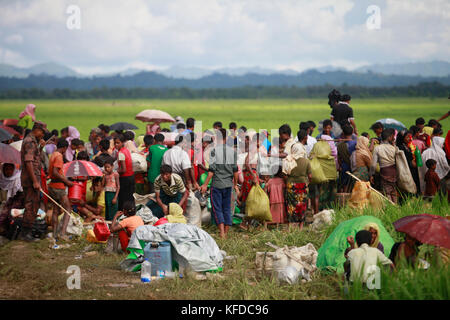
(81, 168)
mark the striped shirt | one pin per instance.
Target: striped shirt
(176, 185)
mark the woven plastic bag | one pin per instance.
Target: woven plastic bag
(405, 180)
(318, 176)
(257, 205)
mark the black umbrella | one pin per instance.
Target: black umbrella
(119, 126)
(5, 135)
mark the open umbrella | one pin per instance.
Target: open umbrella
(119, 126)
(10, 122)
(81, 168)
(151, 115)
(392, 123)
(5, 135)
(9, 155)
(17, 145)
(10, 130)
(427, 228)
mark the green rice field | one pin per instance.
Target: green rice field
(255, 114)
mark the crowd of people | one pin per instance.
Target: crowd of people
(301, 172)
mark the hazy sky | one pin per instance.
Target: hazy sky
(149, 34)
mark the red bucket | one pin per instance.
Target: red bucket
(160, 222)
(76, 192)
(101, 231)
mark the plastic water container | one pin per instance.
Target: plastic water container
(146, 271)
(101, 231)
(160, 256)
(76, 191)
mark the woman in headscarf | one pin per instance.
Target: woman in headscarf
(323, 195)
(10, 179)
(72, 133)
(362, 159)
(298, 178)
(27, 117)
(404, 143)
(375, 242)
(437, 153)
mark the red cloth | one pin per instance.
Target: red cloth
(447, 145)
(128, 162)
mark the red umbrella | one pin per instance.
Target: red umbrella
(427, 228)
(81, 168)
(154, 116)
(10, 122)
(10, 130)
(9, 155)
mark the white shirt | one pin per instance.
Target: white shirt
(177, 158)
(363, 258)
(309, 144)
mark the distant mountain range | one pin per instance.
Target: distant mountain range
(218, 80)
(424, 69)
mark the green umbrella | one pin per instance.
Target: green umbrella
(331, 254)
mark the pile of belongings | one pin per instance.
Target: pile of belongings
(331, 254)
(363, 196)
(193, 248)
(303, 259)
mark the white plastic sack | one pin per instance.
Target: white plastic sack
(143, 199)
(75, 225)
(146, 214)
(288, 275)
(322, 218)
(405, 180)
(193, 210)
(301, 258)
(206, 215)
(139, 162)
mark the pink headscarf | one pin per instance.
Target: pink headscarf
(73, 134)
(29, 111)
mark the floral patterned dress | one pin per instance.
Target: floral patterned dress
(296, 201)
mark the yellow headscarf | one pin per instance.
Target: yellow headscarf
(140, 143)
(175, 214)
(374, 226)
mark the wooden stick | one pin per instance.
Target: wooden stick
(61, 207)
(379, 193)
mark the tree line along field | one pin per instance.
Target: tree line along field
(255, 114)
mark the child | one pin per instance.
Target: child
(97, 209)
(111, 184)
(362, 258)
(432, 180)
(275, 188)
(127, 225)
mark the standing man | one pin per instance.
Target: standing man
(180, 162)
(31, 178)
(223, 171)
(154, 159)
(342, 113)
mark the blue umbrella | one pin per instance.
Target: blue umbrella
(392, 123)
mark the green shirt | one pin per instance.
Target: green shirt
(300, 173)
(155, 156)
(26, 122)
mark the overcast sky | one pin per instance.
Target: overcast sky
(280, 34)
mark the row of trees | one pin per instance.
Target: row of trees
(432, 89)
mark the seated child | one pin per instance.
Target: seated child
(362, 258)
(95, 210)
(432, 180)
(126, 227)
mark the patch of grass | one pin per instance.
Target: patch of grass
(256, 114)
(34, 271)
